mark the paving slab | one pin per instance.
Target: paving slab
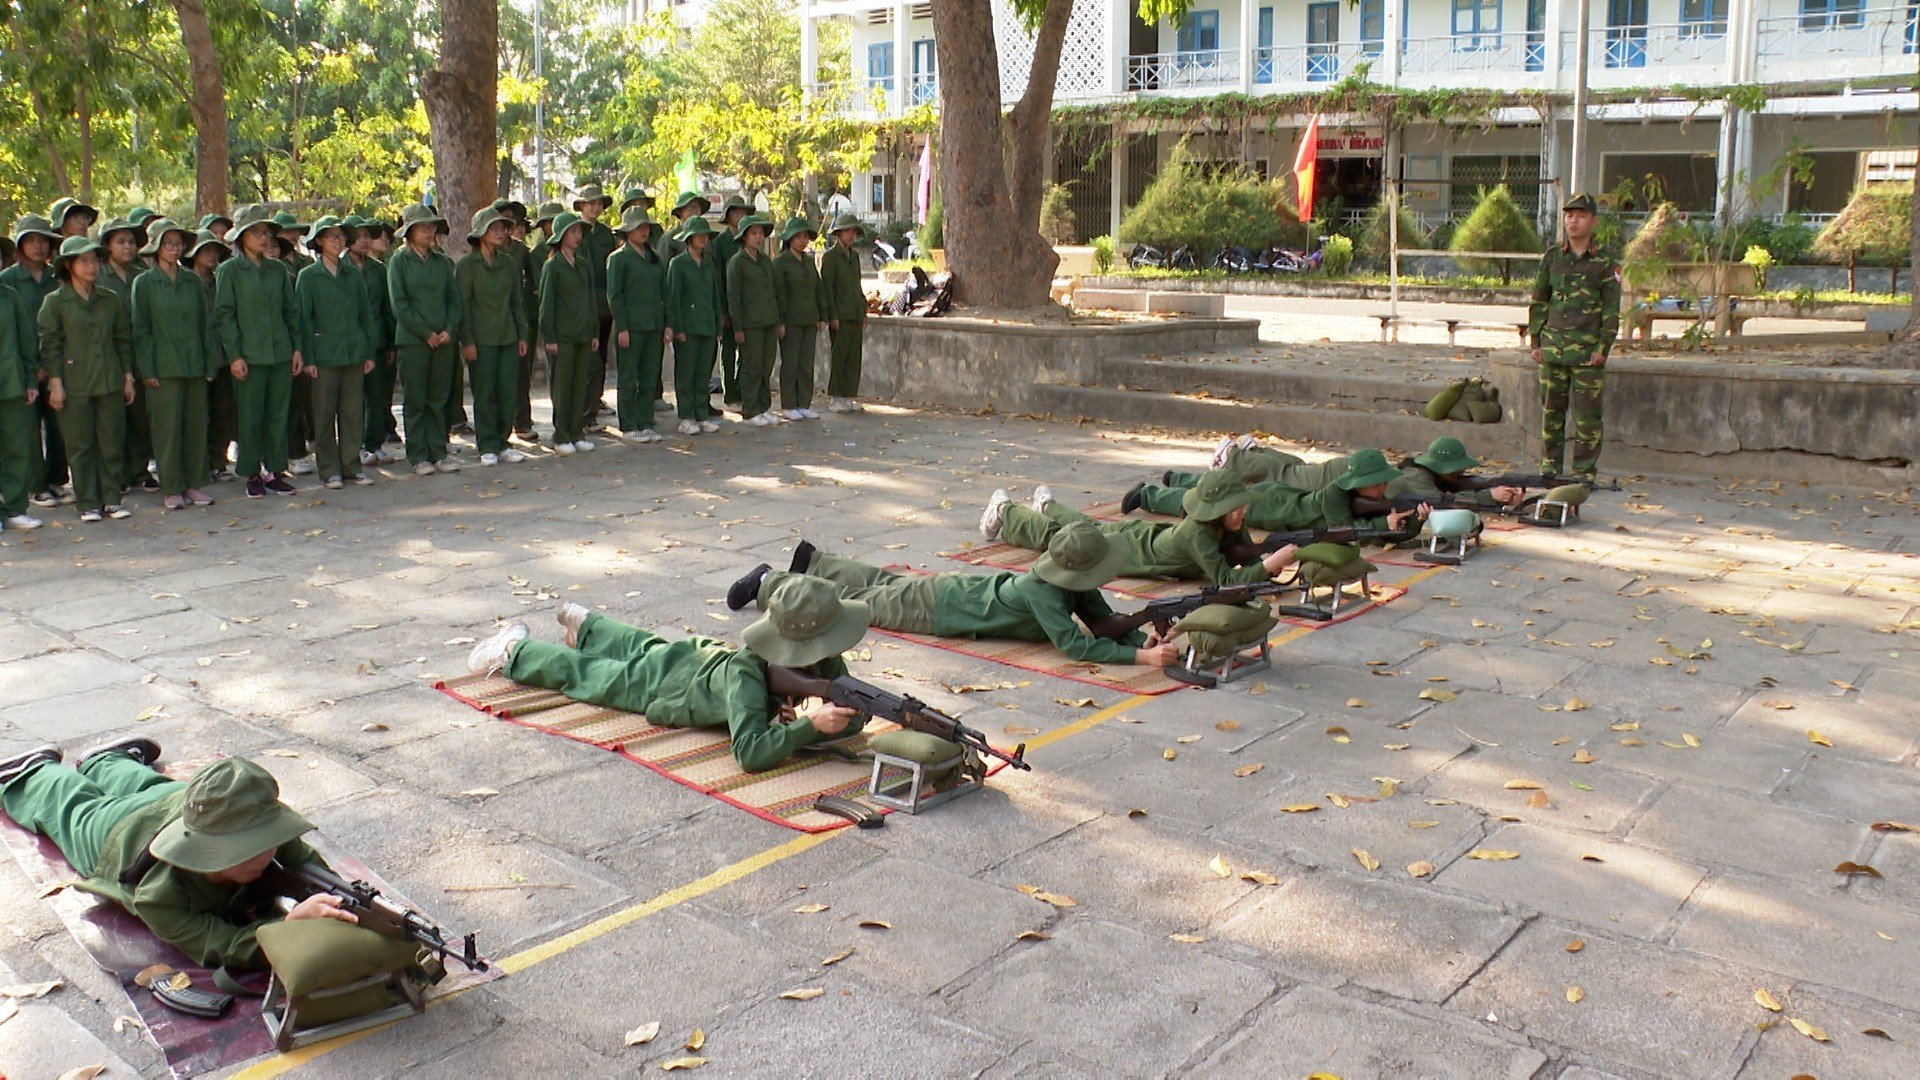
(1580, 878)
(1164, 881)
(1527, 672)
(42, 1040)
(61, 674)
(1845, 1019)
(21, 638)
(1398, 832)
(393, 828)
(1717, 828)
(1311, 1030)
(1197, 786)
(510, 894)
(1608, 798)
(1854, 790)
(310, 779)
(492, 756)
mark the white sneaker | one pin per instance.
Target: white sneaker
(23, 522)
(709, 426)
(366, 457)
(662, 405)
(512, 456)
(489, 459)
(853, 406)
(583, 446)
(762, 420)
(571, 616)
(425, 468)
(1247, 442)
(1221, 450)
(301, 467)
(838, 404)
(809, 414)
(646, 435)
(447, 465)
(491, 656)
(1042, 495)
(795, 414)
(996, 510)
(383, 457)
(689, 427)
(564, 449)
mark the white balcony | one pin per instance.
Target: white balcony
(1651, 54)
(1840, 44)
(1298, 66)
(1177, 72)
(1493, 61)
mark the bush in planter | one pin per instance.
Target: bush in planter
(1663, 242)
(1186, 205)
(1496, 224)
(1875, 228)
(1761, 260)
(1336, 256)
(1374, 235)
(1056, 215)
(1102, 254)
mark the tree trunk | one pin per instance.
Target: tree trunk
(462, 96)
(85, 112)
(992, 223)
(1851, 261)
(56, 164)
(209, 105)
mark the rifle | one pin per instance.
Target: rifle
(1327, 534)
(1542, 480)
(1164, 613)
(374, 910)
(1446, 500)
(869, 700)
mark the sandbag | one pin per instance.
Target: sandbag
(942, 762)
(320, 954)
(1484, 412)
(1218, 631)
(1444, 401)
(1326, 553)
(1320, 574)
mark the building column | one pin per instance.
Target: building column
(1554, 31)
(902, 61)
(809, 51)
(1119, 45)
(1390, 43)
(1118, 171)
(1249, 29)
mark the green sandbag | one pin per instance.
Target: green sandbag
(1327, 554)
(1462, 411)
(1217, 631)
(1493, 393)
(1320, 574)
(942, 762)
(1571, 494)
(1484, 412)
(1444, 401)
(320, 954)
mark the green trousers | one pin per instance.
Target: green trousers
(843, 360)
(1259, 464)
(597, 376)
(220, 420)
(426, 381)
(523, 390)
(1022, 527)
(19, 452)
(338, 413)
(902, 602)
(729, 369)
(177, 414)
(94, 427)
(456, 411)
(692, 370)
(639, 378)
(376, 394)
(77, 808)
(615, 666)
(139, 445)
(496, 384)
(300, 413)
(797, 352)
(568, 385)
(753, 370)
(260, 408)
(51, 467)
(1571, 394)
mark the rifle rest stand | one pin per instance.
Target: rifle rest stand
(1236, 665)
(1551, 514)
(282, 1011)
(1339, 592)
(900, 783)
(1462, 545)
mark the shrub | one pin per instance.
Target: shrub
(1056, 215)
(1663, 241)
(1336, 256)
(1761, 260)
(1496, 224)
(1874, 228)
(1102, 254)
(1374, 234)
(1185, 205)
(933, 231)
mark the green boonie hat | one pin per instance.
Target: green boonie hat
(1367, 468)
(72, 248)
(847, 221)
(210, 220)
(806, 622)
(695, 226)
(548, 211)
(421, 214)
(65, 207)
(329, 222)
(591, 193)
(250, 215)
(482, 218)
(202, 239)
(794, 227)
(1080, 557)
(511, 208)
(635, 195)
(288, 223)
(34, 225)
(688, 198)
(565, 220)
(1580, 202)
(633, 217)
(157, 230)
(231, 812)
(1218, 494)
(734, 202)
(140, 215)
(748, 222)
(115, 225)
(1446, 455)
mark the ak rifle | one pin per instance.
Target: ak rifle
(869, 700)
(1544, 481)
(1325, 534)
(1163, 614)
(374, 910)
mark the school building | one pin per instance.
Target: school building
(1702, 98)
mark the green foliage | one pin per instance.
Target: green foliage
(1761, 260)
(1187, 205)
(1336, 256)
(1496, 224)
(1374, 237)
(1875, 228)
(1790, 240)
(933, 231)
(1102, 254)
(1056, 215)
(1664, 241)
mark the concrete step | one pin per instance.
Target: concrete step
(1272, 379)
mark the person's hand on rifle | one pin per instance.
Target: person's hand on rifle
(1396, 517)
(1508, 495)
(1279, 559)
(1157, 653)
(828, 718)
(322, 906)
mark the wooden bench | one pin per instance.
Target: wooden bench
(1390, 326)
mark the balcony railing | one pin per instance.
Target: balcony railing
(1211, 69)
(1317, 63)
(1654, 46)
(1884, 33)
(923, 88)
(1473, 54)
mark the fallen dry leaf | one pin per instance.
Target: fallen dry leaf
(83, 1072)
(1876, 1033)
(1766, 1000)
(1894, 826)
(1075, 703)
(1488, 855)
(1523, 785)
(1692, 740)
(811, 909)
(1624, 725)
(1189, 740)
(1340, 734)
(675, 1064)
(1574, 994)
(148, 974)
(1857, 868)
(1137, 812)
(1365, 860)
(1441, 696)
(696, 1040)
(1576, 945)
(1186, 939)
(1169, 753)
(836, 957)
(1539, 801)
(1219, 867)
(1582, 757)
(480, 792)
(1420, 869)
(1818, 739)
(642, 1035)
(807, 993)
(1576, 704)
(1422, 824)
(1339, 800)
(1248, 770)
(1357, 703)
(1032, 935)
(1259, 877)
(1227, 725)
(1808, 1030)
(25, 991)
(1300, 808)
(866, 924)
(1395, 746)
(1019, 730)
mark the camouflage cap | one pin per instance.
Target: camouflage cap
(1580, 202)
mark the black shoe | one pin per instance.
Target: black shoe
(138, 747)
(1166, 478)
(745, 591)
(1131, 500)
(279, 486)
(256, 488)
(11, 768)
(802, 558)
(149, 483)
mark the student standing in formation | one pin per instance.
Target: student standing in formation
(368, 243)
(642, 198)
(568, 324)
(120, 240)
(203, 258)
(32, 280)
(803, 305)
(175, 357)
(846, 314)
(86, 355)
(289, 233)
(217, 224)
(538, 251)
(690, 205)
(254, 315)
(19, 391)
(518, 249)
(693, 313)
(426, 315)
(596, 247)
(494, 341)
(71, 217)
(725, 246)
(636, 291)
(337, 336)
(755, 310)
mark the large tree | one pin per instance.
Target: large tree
(209, 104)
(461, 96)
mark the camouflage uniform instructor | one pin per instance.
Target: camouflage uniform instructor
(1572, 322)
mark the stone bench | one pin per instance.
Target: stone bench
(1390, 326)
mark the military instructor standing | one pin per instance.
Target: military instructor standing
(1572, 322)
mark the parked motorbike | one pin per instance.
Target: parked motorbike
(1147, 255)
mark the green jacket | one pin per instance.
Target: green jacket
(1186, 549)
(637, 290)
(752, 303)
(1025, 608)
(567, 312)
(529, 276)
(424, 297)
(1417, 479)
(253, 310)
(373, 279)
(1280, 507)
(19, 349)
(336, 329)
(213, 924)
(694, 295)
(596, 247)
(1575, 294)
(111, 281)
(491, 294)
(30, 292)
(796, 283)
(86, 344)
(840, 278)
(724, 247)
(172, 328)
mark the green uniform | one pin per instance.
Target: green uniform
(803, 305)
(691, 683)
(569, 320)
(376, 388)
(173, 343)
(138, 448)
(425, 302)
(496, 327)
(693, 311)
(222, 425)
(103, 815)
(964, 605)
(637, 294)
(596, 247)
(1263, 464)
(1575, 313)
(723, 249)
(19, 425)
(300, 389)
(846, 303)
(254, 313)
(337, 333)
(754, 309)
(87, 343)
(1156, 549)
(1291, 504)
(1417, 479)
(50, 455)
(530, 306)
